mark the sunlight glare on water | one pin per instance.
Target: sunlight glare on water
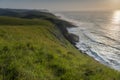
(115, 23)
(116, 17)
(114, 28)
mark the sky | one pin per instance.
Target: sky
(62, 5)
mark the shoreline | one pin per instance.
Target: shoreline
(63, 24)
(45, 50)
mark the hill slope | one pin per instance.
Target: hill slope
(40, 52)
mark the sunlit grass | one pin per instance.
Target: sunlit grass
(34, 52)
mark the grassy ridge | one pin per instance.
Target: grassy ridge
(19, 21)
(40, 52)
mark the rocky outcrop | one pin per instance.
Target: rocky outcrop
(73, 38)
(63, 25)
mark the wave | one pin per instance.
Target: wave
(113, 63)
(88, 50)
(101, 42)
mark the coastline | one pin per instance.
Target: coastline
(64, 24)
(43, 50)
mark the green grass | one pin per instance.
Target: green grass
(19, 21)
(40, 52)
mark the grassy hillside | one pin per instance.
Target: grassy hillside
(36, 50)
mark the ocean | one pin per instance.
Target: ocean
(99, 34)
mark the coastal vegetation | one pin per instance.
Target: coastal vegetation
(38, 49)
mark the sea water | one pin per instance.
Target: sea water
(99, 34)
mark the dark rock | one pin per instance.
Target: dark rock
(73, 38)
(62, 26)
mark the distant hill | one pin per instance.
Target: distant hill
(26, 13)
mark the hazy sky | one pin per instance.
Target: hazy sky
(62, 4)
